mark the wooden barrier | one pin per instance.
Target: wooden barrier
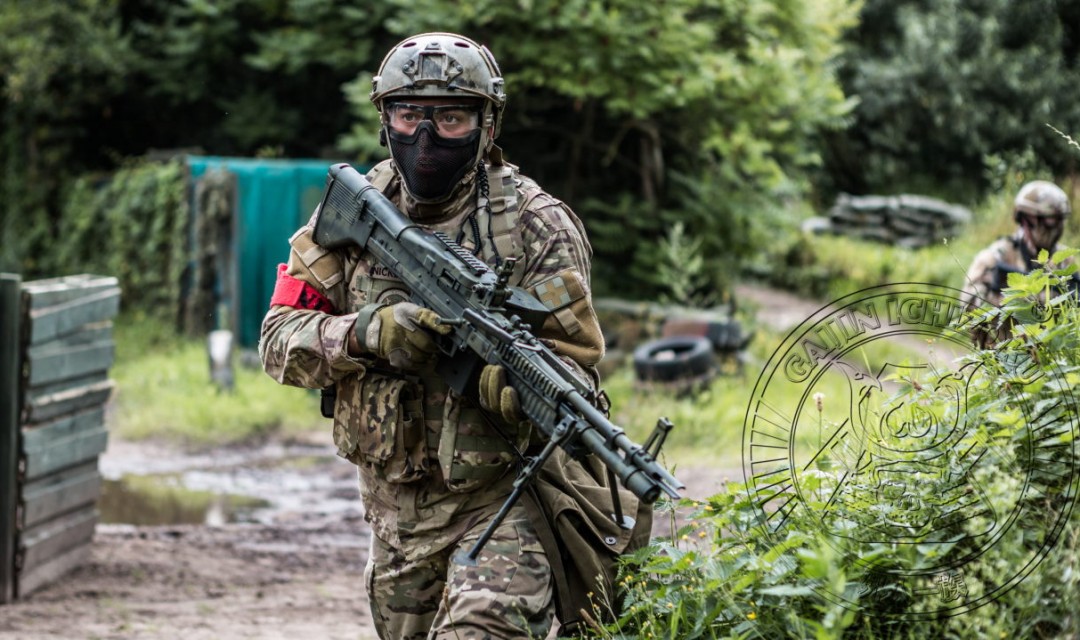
(54, 372)
(10, 314)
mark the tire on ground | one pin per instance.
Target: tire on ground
(672, 359)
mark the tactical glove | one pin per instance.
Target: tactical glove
(497, 396)
(399, 334)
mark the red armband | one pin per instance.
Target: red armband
(293, 292)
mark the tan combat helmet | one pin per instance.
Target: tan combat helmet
(1041, 209)
(443, 65)
(1041, 198)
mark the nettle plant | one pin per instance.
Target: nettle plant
(953, 518)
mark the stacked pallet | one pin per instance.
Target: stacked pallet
(906, 220)
(61, 384)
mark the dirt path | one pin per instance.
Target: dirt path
(295, 572)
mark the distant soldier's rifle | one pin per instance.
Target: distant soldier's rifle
(492, 324)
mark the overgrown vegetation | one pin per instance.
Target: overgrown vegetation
(642, 114)
(728, 117)
(133, 226)
(943, 85)
(164, 392)
(732, 573)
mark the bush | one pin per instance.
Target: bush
(134, 226)
(729, 574)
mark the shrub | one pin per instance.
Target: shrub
(729, 574)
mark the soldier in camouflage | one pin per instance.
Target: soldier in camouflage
(434, 466)
(1040, 210)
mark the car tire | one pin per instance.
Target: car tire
(673, 359)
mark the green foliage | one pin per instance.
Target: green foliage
(728, 572)
(241, 75)
(828, 267)
(134, 227)
(644, 114)
(164, 392)
(59, 69)
(943, 84)
(640, 115)
(683, 270)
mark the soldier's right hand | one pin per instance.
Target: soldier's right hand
(400, 334)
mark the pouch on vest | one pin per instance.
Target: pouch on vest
(383, 425)
(471, 453)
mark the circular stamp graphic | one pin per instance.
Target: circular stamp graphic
(878, 424)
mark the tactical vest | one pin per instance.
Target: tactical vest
(400, 427)
(500, 235)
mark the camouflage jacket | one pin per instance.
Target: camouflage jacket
(988, 273)
(431, 463)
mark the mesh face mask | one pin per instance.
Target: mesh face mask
(430, 164)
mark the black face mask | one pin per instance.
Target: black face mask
(431, 165)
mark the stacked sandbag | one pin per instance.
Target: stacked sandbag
(911, 221)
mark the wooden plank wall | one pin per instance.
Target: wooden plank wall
(66, 351)
(10, 313)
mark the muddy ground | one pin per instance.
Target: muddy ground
(288, 568)
(292, 569)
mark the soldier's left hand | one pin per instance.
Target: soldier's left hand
(497, 396)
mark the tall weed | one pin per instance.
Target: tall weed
(1009, 557)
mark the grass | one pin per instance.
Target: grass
(709, 425)
(164, 391)
(829, 267)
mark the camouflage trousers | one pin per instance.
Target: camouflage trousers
(509, 594)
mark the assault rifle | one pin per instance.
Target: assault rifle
(491, 324)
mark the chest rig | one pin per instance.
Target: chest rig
(494, 223)
(446, 429)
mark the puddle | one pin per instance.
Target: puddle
(266, 485)
(163, 500)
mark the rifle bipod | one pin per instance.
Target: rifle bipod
(528, 473)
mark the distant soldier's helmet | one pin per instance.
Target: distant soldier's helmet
(1042, 198)
(1041, 208)
(448, 67)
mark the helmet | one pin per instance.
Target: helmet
(1042, 198)
(448, 67)
(1040, 209)
(442, 65)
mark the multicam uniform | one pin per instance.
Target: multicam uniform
(988, 276)
(988, 273)
(433, 466)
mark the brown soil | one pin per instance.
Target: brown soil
(199, 582)
(297, 574)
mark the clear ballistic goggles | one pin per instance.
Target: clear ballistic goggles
(451, 121)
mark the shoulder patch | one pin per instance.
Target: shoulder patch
(560, 290)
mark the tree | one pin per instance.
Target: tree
(942, 85)
(645, 113)
(60, 68)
